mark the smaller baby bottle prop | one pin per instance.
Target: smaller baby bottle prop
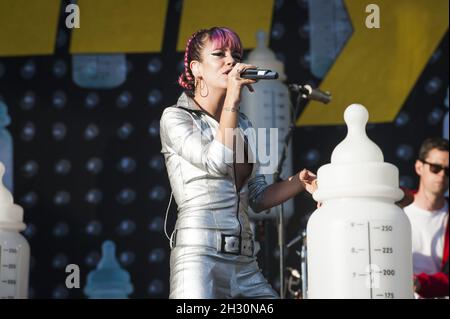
(109, 280)
(14, 248)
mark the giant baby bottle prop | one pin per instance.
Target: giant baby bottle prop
(359, 241)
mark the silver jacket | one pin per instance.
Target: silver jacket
(201, 171)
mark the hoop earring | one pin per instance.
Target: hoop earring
(202, 87)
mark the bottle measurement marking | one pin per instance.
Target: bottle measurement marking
(376, 270)
(9, 266)
(8, 272)
(370, 262)
(11, 250)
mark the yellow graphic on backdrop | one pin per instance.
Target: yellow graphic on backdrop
(379, 67)
(110, 26)
(28, 27)
(244, 17)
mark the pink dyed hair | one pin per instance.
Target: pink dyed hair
(221, 38)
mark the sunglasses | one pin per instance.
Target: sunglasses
(436, 168)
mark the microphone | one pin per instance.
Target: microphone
(259, 74)
(311, 94)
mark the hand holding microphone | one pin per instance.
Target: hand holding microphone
(236, 82)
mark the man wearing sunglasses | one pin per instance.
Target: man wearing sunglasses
(428, 215)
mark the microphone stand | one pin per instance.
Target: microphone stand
(277, 178)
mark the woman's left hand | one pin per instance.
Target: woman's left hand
(309, 180)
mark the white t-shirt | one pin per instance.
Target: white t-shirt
(428, 229)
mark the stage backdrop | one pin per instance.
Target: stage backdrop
(85, 105)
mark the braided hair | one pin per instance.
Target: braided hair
(220, 36)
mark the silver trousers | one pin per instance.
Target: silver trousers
(204, 272)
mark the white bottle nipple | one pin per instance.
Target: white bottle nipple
(356, 147)
(357, 167)
(261, 39)
(11, 215)
(264, 57)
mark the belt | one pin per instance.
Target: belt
(224, 243)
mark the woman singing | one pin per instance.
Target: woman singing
(213, 179)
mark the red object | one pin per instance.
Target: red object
(435, 285)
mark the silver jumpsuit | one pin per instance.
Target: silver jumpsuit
(213, 248)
